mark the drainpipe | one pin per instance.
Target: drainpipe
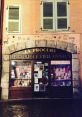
(1, 37)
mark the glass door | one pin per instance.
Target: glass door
(40, 77)
(61, 79)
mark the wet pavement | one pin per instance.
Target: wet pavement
(42, 108)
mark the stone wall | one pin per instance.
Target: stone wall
(76, 76)
(15, 43)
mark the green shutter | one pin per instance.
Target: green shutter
(13, 19)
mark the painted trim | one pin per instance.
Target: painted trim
(19, 20)
(54, 2)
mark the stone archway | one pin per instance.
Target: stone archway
(9, 48)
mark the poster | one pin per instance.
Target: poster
(36, 67)
(35, 80)
(36, 87)
(40, 74)
(36, 75)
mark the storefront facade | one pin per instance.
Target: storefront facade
(41, 54)
(44, 72)
(42, 69)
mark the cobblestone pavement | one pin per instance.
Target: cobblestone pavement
(42, 108)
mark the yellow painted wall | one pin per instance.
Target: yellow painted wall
(76, 15)
(31, 14)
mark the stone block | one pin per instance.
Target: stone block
(4, 94)
(5, 78)
(5, 84)
(40, 43)
(75, 75)
(76, 84)
(5, 50)
(5, 66)
(74, 56)
(70, 47)
(75, 65)
(62, 45)
(30, 43)
(51, 43)
(12, 48)
(5, 57)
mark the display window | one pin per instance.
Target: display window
(60, 73)
(45, 72)
(20, 73)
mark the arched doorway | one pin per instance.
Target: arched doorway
(40, 72)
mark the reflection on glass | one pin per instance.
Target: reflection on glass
(22, 83)
(47, 9)
(48, 23)
(61, 75)
(61, 9)
(62, 23)
(21, 70)
(20, 73)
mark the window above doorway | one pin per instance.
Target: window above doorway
(54, 15)
(13, 19)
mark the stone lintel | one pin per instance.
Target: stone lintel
(43, 43)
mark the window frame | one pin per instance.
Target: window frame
(66, 17)
(13, 20)
(55, 28)
(42, 17)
